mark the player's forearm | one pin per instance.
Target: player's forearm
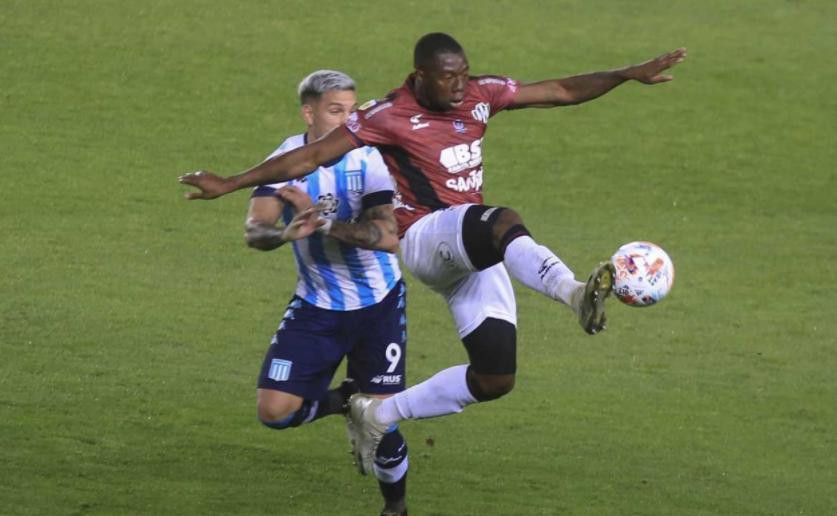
(285, 167)
(582, 88)
(368, 234)
(263, 236)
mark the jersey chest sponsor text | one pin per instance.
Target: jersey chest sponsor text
(461, 157)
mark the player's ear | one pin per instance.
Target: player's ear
(307, 113)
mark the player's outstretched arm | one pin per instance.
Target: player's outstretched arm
(581, 88)
(290, 165)
(376, 229)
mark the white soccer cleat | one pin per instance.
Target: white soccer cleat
(368, 430)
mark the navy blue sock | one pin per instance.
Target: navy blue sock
(391, 467)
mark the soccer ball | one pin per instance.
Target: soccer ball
(644, 273)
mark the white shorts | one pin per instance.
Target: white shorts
(432, 249)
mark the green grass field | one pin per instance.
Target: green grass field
(133, 323)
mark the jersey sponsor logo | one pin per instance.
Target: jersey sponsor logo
(471, 182)
(459, 126)
(280, 370)
(329, 203)
(481, 112)
(461, 157)
(381, 107)
(353, 123)
(417, 123)
(354, 180)
(387, 379)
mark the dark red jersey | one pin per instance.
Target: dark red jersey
(435, 156)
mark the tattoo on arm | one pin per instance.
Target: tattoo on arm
(263, 236)
(367, 232)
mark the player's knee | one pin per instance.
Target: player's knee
(492, 349)
(491, 386)
(507, 219)
(507, 227)
(275, 410)
(269, 413)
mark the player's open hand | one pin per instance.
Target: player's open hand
(303, 224)
(650, 72)
(299, 200)
(210, 185)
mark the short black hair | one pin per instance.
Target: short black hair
(431, 45)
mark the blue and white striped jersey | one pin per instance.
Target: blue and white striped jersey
(334, 275)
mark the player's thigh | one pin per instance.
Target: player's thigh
(433, 249)
(377, 360)
(304, 352)
(480, 295)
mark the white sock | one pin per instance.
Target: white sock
(444, 393)
(539, 269)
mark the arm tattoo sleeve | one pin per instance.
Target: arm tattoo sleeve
(366, 232)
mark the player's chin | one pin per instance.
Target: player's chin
(448, 105)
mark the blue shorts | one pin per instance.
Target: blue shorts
(311, 341)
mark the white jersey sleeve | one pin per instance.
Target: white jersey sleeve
(378, 179)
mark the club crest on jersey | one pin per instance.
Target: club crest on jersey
(459, 126)
(481, 112)
(354, 180)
